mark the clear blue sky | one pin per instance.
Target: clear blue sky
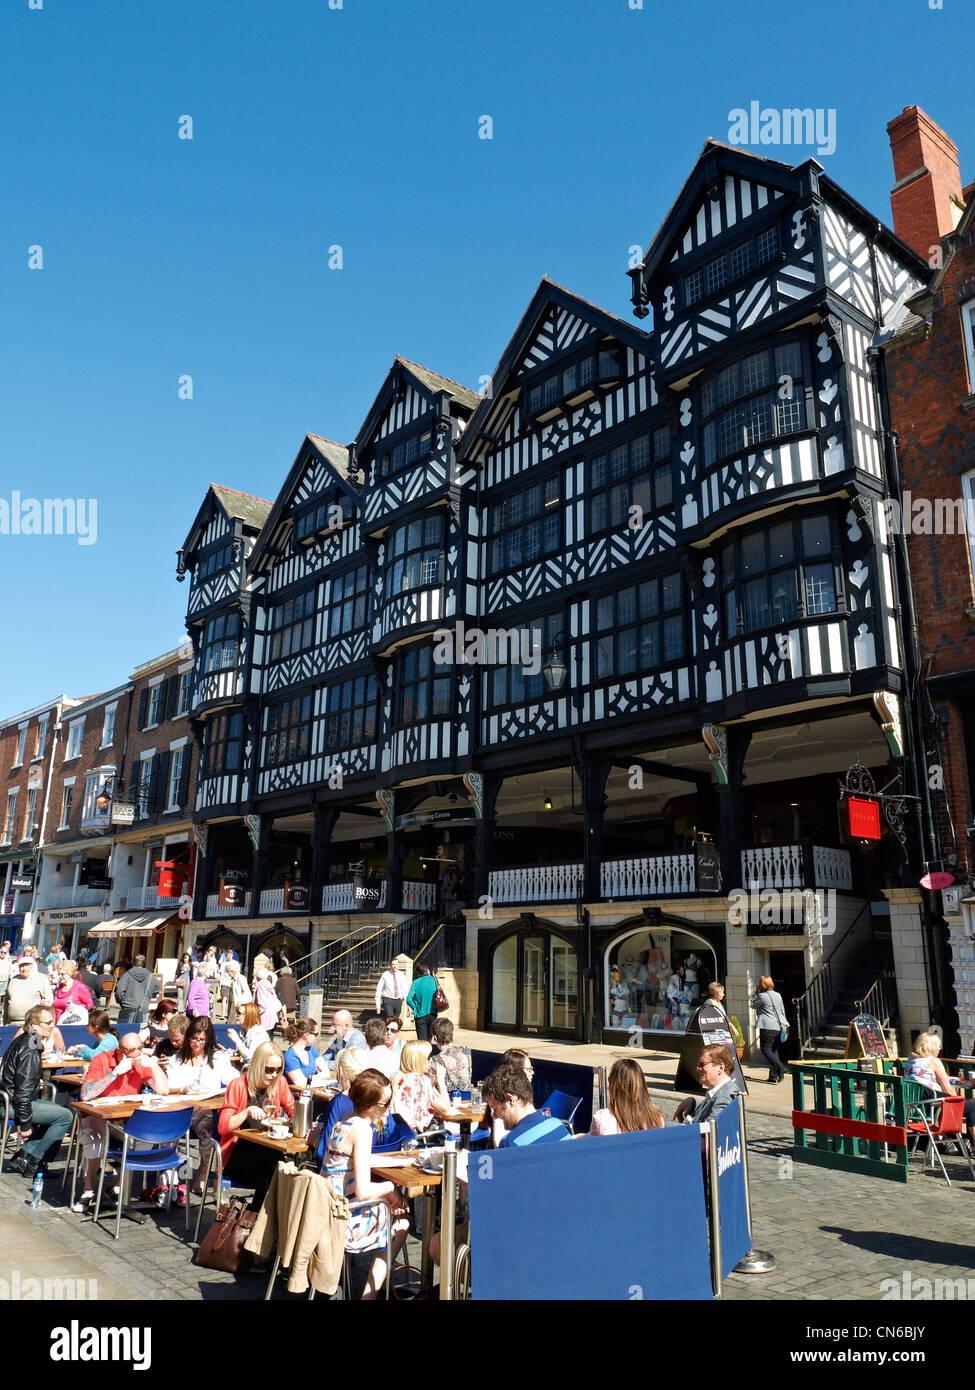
(356, 127)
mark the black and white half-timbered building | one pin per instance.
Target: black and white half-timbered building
(591, 652)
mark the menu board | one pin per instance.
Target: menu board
(865, 1038)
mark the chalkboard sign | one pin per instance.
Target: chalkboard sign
(865, 1038)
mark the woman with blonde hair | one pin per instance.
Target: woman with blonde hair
(416, 1098)
(630, 1107)
(348, 1064)
(260, 1094)
(924, 1065)
(772, 1024)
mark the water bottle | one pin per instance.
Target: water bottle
(301, 1121)
(37, 1191)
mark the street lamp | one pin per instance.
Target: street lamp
(554, 668)
(104, 798)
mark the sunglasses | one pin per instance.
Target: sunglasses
(130, 1051)
(272, 1071)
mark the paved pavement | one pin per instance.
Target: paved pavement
(834, 1235)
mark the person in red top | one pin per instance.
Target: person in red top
(249, 1100)
(123, 1072)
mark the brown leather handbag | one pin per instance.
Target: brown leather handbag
(223, 1245)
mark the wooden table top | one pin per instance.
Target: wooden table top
(293, 1144)
(52, 1063)
(407, 1176)
(124, 1106)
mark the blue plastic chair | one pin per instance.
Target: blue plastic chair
(396, 1137)
(162, 1130)
(561, 1107)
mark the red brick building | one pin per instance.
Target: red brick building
(929, 365)
(27, 749)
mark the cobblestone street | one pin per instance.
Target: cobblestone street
(834, 1235)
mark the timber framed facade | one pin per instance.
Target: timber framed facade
(586, 654)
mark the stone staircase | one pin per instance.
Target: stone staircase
(360, 1000)
(830, 1038)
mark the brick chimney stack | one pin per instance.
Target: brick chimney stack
(926, 200)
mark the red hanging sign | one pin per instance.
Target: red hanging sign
(937, 880)
(864, 818)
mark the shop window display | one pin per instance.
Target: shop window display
(657, 979)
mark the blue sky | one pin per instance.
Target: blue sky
(357, 127)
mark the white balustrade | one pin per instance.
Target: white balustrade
(418, 896)
(146, 898)
(75, 897)
(535, 883)
(832, 868)
(215, 910)
(651, 876)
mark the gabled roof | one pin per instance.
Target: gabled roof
(334, 456)
(251, 510)
(431, 383)
(715, 160)
(242, 506)
(548, 294)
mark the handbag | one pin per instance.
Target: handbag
(783, 1025)
(223, 1245)
(440, 1004)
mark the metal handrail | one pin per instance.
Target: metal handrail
(327, 946)
(820, 994)
(410, 937)
(880, 999)
(428, 942)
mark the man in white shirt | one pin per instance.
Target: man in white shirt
(378, 1054)
(391, 991)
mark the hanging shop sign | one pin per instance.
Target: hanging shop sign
(234, 885)
(297, 897)
(123, 812)
(172, 877)
(708, 868)
(22, 882)
(100, 883)
(864, 818)
(936, 880)
(367, 893)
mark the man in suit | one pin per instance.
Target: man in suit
(715, 1070)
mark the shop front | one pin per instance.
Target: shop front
(654, 977)
(531, 972)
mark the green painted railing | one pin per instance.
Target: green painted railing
(846, 1116)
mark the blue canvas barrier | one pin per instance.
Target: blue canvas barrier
(556, 1221)
(735, 1237)
(569, 1077)
(78, 1033)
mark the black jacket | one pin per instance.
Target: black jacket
(21, 1075)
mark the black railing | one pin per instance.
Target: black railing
(821, 993)
(439, 939)
(880, 999)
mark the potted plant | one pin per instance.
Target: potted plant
(739, 1037)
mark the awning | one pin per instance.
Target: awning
(136, 924)
(12, 856)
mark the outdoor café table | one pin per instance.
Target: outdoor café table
(415, 1182)
(122, 1108)
(465, 1115)
(289, 1146)
(57, 1062)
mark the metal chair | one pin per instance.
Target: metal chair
(462, 1273)
(218, 1187)
(8, 1123)
(950, 1123)
(161, 1130)
(364, 1206)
